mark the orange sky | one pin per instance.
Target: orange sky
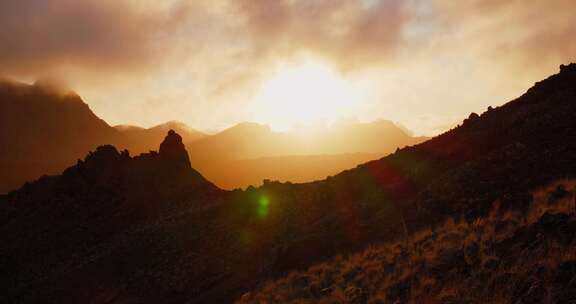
(424, 64)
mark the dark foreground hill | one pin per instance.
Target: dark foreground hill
(137, 233)
(525, 254)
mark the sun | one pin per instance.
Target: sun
(303, 94)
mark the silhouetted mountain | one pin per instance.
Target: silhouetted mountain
(251, 141)
(248, 153)
(242, 141)
(380, 136)
(45, 128)
(141, 140)
(296, 168)
(151, 240)
(42, 131)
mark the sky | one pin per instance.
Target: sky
(425, 64)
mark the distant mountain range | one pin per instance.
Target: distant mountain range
(43, 130)
(151, 229)
(248, 153)
(140, 140)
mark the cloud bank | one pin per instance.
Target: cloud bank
(158, 58)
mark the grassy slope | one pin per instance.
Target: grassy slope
(519, 255)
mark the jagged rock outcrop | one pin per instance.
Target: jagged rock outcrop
(152, 179)
(172, 150)
(106, 207)
(568, 68)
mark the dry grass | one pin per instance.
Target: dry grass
(509, 256)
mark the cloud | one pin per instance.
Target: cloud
(209, 56)
(335, 29)
(39, 34)
(228, 44)
(527, 35)
(250, 35)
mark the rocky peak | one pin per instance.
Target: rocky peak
(103, 154)
(565, 68)
(556, 83)
(172, 149)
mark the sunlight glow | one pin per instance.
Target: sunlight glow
(302, 94)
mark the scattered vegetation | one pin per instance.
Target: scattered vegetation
(518, 255)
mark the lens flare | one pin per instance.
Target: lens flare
(263, 204)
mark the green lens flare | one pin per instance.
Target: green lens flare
(263, 204)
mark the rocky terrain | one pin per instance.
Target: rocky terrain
(523, 254)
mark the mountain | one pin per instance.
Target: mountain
(248, 153)
(141, 140)
(295, 168)
(252, 141)
(45, 129)
(242, 141)
(145, 236)
(380, 136)
(42, 131)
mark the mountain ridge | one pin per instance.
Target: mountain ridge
(55, 127)
(35, 115)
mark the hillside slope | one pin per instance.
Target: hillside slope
(523, 254)
(291, 168)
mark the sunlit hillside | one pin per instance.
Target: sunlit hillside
(524, 253)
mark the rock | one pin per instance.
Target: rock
(550, 222)
(471, 118)
(172, 150)
(355, 295)
(568, 68)
(398, 292)
(491, 264)
(558, 193)
(565, 274)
